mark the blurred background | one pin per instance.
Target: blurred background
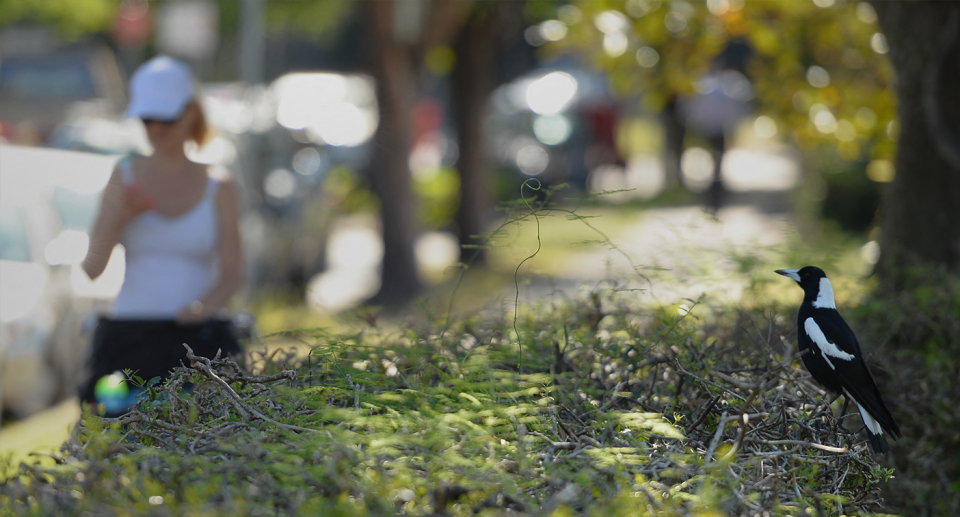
(374, 141)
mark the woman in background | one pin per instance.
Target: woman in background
(178, 223)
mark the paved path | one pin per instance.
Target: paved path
(697, 249)
(694, 245)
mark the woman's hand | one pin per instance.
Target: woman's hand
(195, 312)
(136, 201)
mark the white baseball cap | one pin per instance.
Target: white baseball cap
(160, 89)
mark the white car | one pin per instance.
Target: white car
(48, 199)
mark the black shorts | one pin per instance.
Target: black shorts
(152, 348)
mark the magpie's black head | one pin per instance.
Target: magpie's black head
(808, 277)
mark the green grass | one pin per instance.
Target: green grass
(42, 433)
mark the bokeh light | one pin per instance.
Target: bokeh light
(280, 184)
(647, 57)
(696, 167)
(569, 14)
(675, 21)
(870, 252)
(610, 22)
(845, 131)
(866, 13)
(881, 171)
(818, 77)
(878, 42)
(640, 8)
(615, 44)
(764, 127)
(551, 93)
(532, 160)
(553, 30)
(333, 109)
(823, 119)
(307, 161)
(552, 129)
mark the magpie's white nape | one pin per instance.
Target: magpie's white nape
(834, 358)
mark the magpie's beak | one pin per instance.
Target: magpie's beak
(789, 273)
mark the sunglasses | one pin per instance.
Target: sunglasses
(166, 122)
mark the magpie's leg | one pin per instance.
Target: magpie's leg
(834, 399)
(827, 407)
(843, 413)
(846, 402)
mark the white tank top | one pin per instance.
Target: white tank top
(170, 261)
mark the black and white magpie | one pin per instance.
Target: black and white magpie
(834, 358)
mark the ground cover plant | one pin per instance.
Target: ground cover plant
(916, 333)
(617, 410)
(594, 403)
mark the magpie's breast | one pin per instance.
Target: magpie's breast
(818, 368)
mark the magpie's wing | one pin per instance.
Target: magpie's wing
(838, 332)
(853, 372)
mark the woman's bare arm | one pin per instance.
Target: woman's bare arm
(115, 211)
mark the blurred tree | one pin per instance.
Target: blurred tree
(401, 32)
(921, 210)
(492, 30)
(815, 69)
(407, 41)
(471, 84)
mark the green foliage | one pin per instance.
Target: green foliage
(850, 199)
(788, 38)
(916, 333)
(620, 410)
(310, 18)
(438, 197)
(346, 190)
(71, 18)
(304, 18)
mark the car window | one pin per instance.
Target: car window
(77, 211)
(13, 235)
(50, 79)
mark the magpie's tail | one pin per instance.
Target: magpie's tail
(874, 431)
(877, 442)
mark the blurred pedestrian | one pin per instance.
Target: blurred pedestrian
(722, 101)
(178, 223)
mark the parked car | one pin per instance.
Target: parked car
(42, 85)
(48, 199)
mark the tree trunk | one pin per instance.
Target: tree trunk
(920, 213)
(675, 130)
(395, 75)
(472, 83)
